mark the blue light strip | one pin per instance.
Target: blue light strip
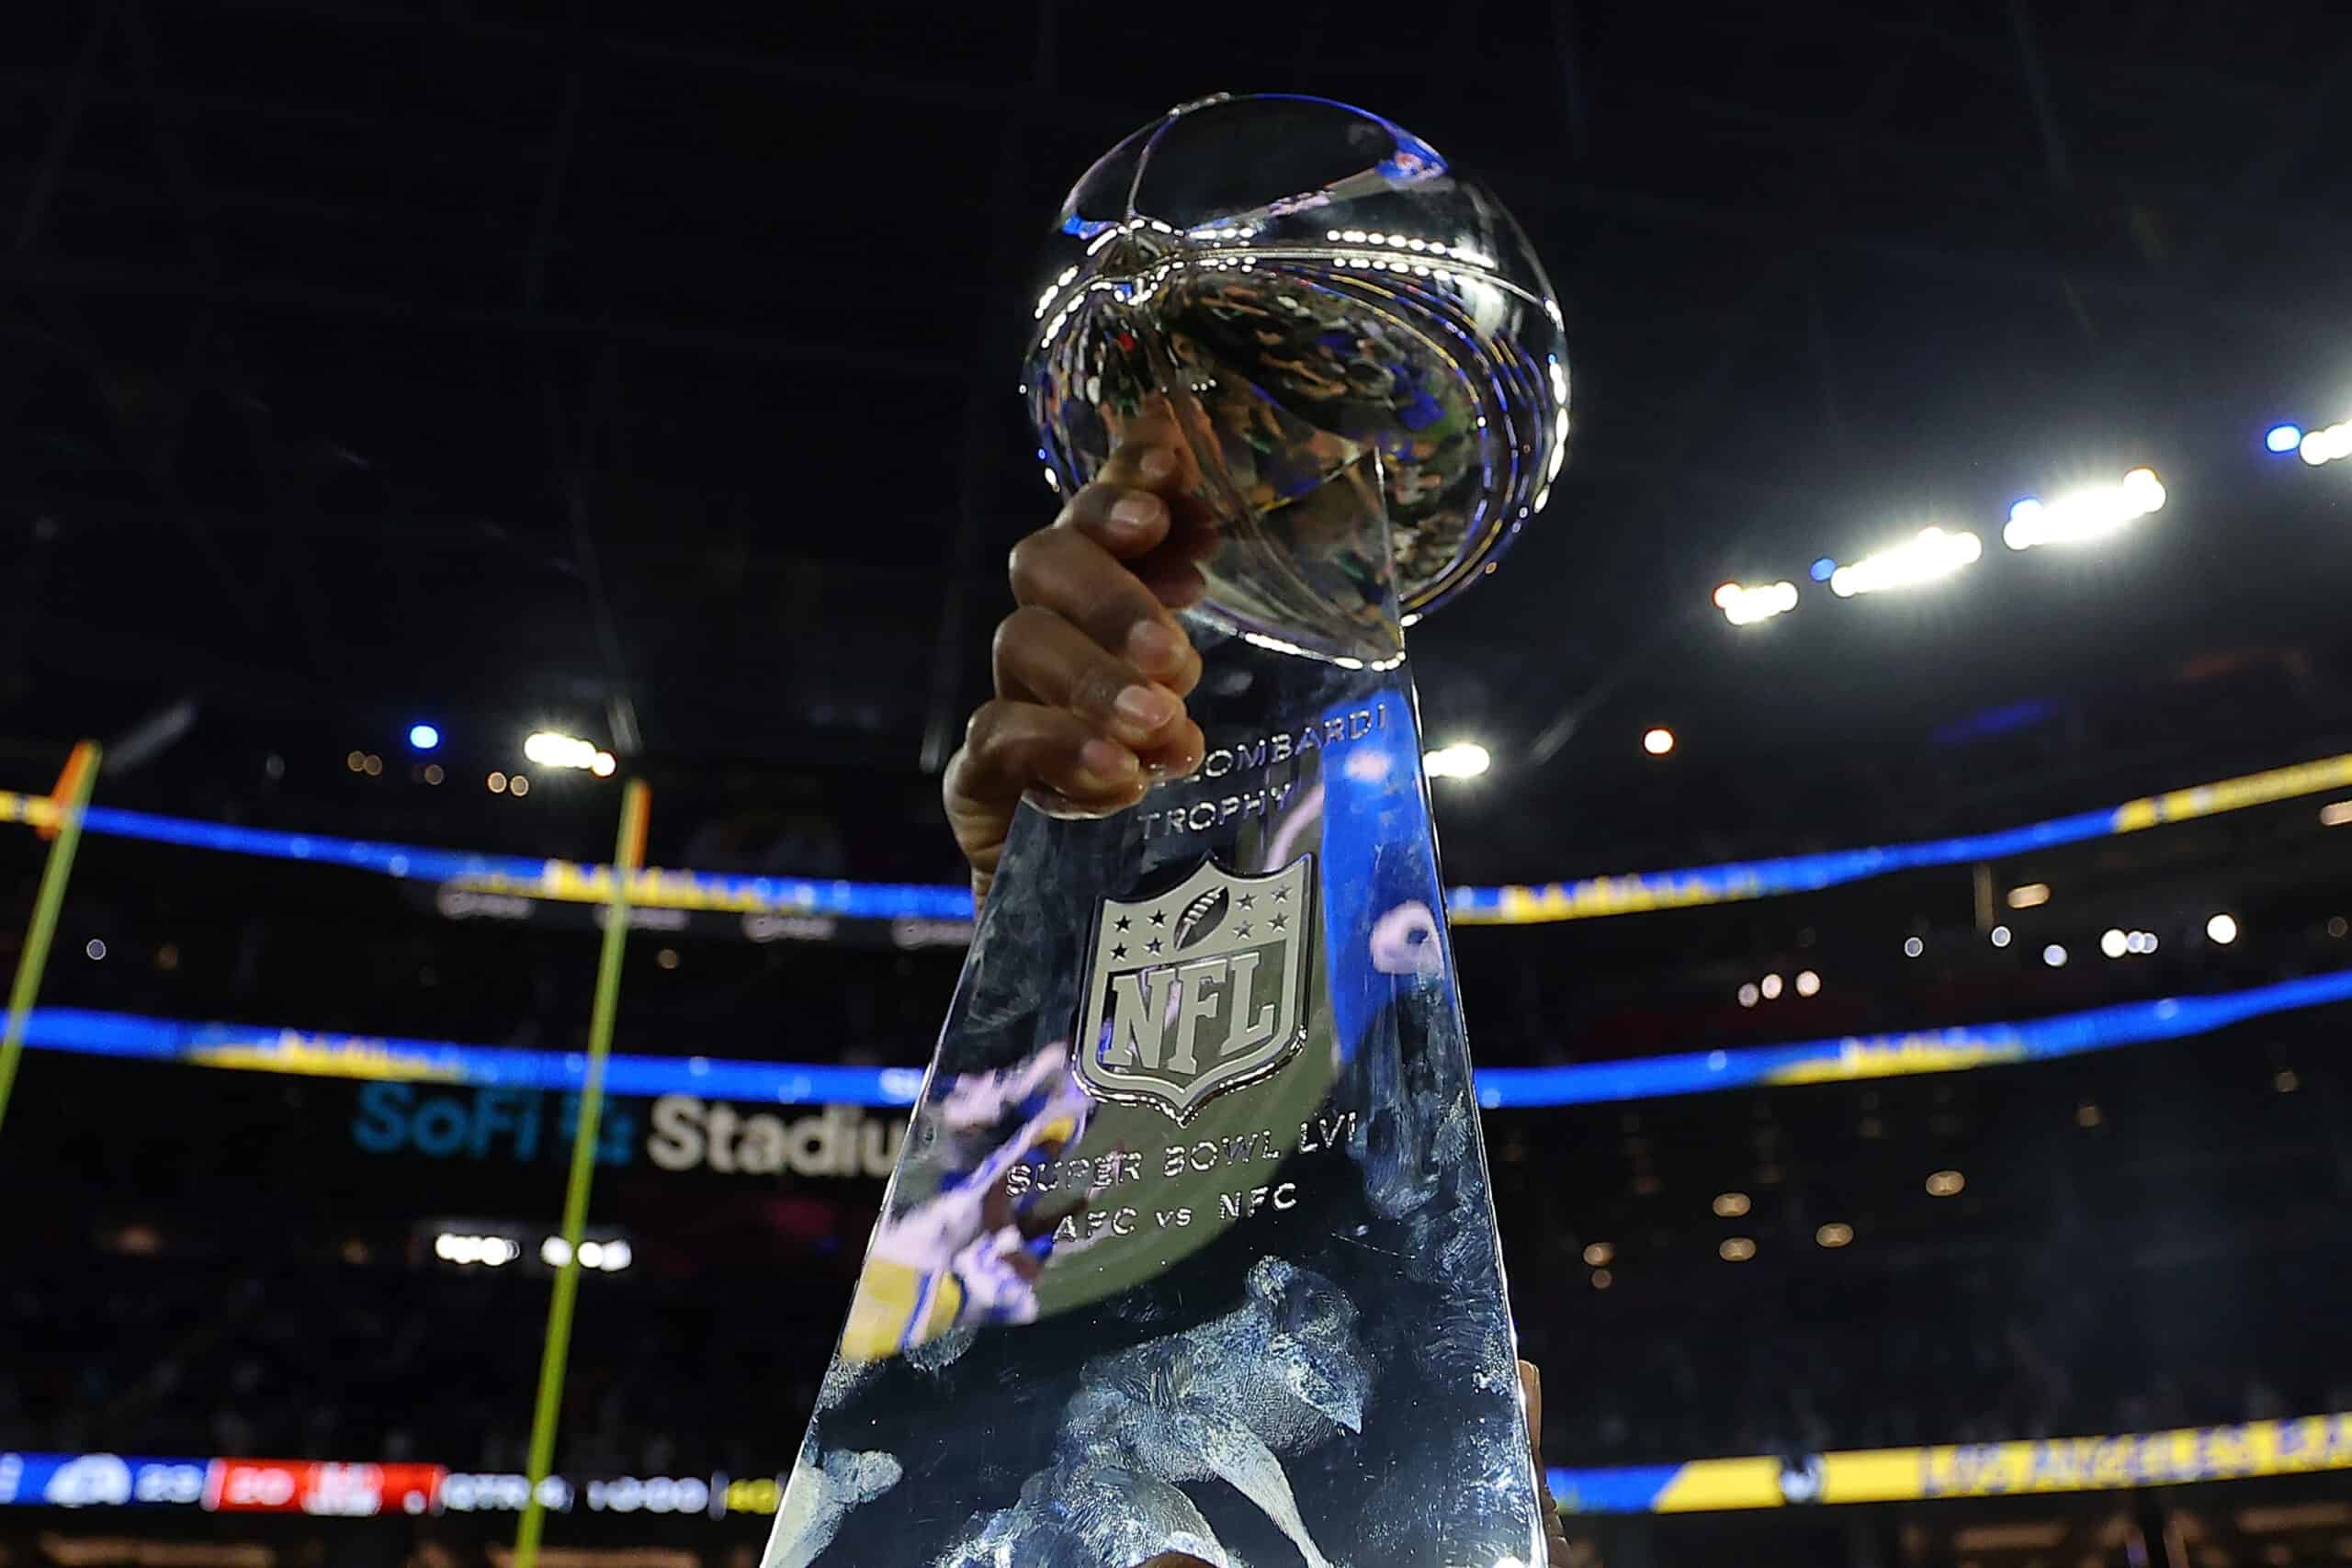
(863, 900)
(577, 881)
(1508, 1088)
(1736, 880)
(1926, 1050)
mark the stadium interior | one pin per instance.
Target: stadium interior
(1907, 1018)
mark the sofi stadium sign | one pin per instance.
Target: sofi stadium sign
(355, 1490)
(676, 1132)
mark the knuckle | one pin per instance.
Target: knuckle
(1015, 633)
(984, 731)
(1031, 558)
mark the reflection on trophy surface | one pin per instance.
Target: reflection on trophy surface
(1191, 1247)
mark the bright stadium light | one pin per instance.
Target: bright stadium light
(1744, 605)
(549, 749)
(1928, 556)
(2284, 438)
(2082, 516)
(490, 1251)
(2320, 447)
(1462, 760)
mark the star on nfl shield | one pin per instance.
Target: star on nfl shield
(1197, 990)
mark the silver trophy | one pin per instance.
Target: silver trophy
(1191, 1247)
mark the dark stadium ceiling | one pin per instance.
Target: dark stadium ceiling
(655, 365)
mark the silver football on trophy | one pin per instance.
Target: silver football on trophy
(1336, 317)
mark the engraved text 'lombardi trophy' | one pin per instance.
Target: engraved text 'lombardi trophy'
(1191, 1246)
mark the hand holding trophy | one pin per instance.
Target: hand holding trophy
(1190, 1251)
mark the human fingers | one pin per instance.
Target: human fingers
(1009, 746)
(1065, 571)
(1041, 657)
(1555, 1533)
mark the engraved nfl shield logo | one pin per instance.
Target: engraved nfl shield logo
(1198, 990)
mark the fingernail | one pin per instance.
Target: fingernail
(1135, 511)
(1105, 762)
(1155, 645)
(1157, 463)
(1148, 707)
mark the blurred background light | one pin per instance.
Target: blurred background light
(2113, 942)
(1913, 946)
(1808, 983)
(1598, 1253)
(1930, 556)
(2030, 896)
(1744, 605)
(2081, 516)
(1771, 988)
(1462, 760)
(2320, 447)
(424, 737)
(1946, 1184)
(2054, 955)
(1657, 742)
(1737, 1249)
(2336, 813)
(1730, 1205)
(2284, 438)
(550, 749)
(1834, 1234)
(2222, 929)
(1823, 569)
(2000, 936)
